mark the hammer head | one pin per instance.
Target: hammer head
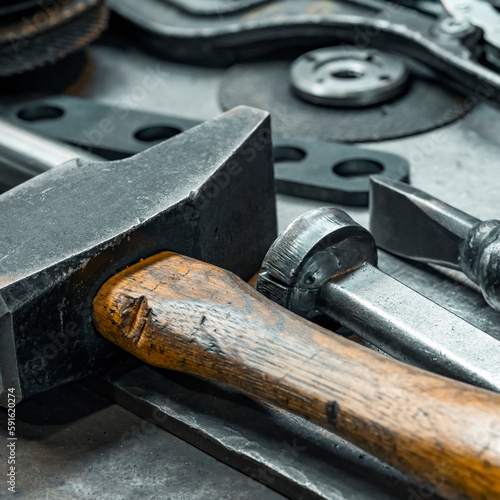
(207, 193)
(315, 248)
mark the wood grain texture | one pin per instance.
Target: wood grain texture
(178, 313)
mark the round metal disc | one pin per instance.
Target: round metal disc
(424, 106)
(346, 76)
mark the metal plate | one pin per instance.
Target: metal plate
(331, 173)
(283, 451)
(72, 444)
(322, 171)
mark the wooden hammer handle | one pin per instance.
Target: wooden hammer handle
(178, 313)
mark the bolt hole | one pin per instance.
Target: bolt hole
(384, 77)
(320, 80)
(358, 167)
(347, 74)
(288, 153)
(156, 133)
(309, 279)
(38, 113)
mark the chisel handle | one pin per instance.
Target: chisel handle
(178, 313)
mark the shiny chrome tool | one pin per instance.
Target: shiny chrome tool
(412, 224)
(324, 263)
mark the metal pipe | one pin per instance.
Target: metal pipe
(24, 154)
(410, 327)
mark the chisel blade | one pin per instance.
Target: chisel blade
(412, 224)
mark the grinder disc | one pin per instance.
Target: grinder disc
(266, 84)
(35, 38)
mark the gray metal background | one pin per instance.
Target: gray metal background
(457, 163)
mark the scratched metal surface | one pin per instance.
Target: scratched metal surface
(73, 444)
(457, 164)
(289, 454)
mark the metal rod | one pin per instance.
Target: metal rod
(325, 263)
(410, 327)
(25, 154)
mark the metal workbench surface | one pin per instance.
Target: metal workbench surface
(74, 454)
(75, 444)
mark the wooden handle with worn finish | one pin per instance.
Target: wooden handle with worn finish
(179, 313)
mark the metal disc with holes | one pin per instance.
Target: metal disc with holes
(347, 76)
(424, 105)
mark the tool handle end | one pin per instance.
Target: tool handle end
(480, 259)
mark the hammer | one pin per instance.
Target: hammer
(179, 313)
(324, 264)
(208, 193)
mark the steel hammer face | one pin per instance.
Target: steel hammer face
(207, 193)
